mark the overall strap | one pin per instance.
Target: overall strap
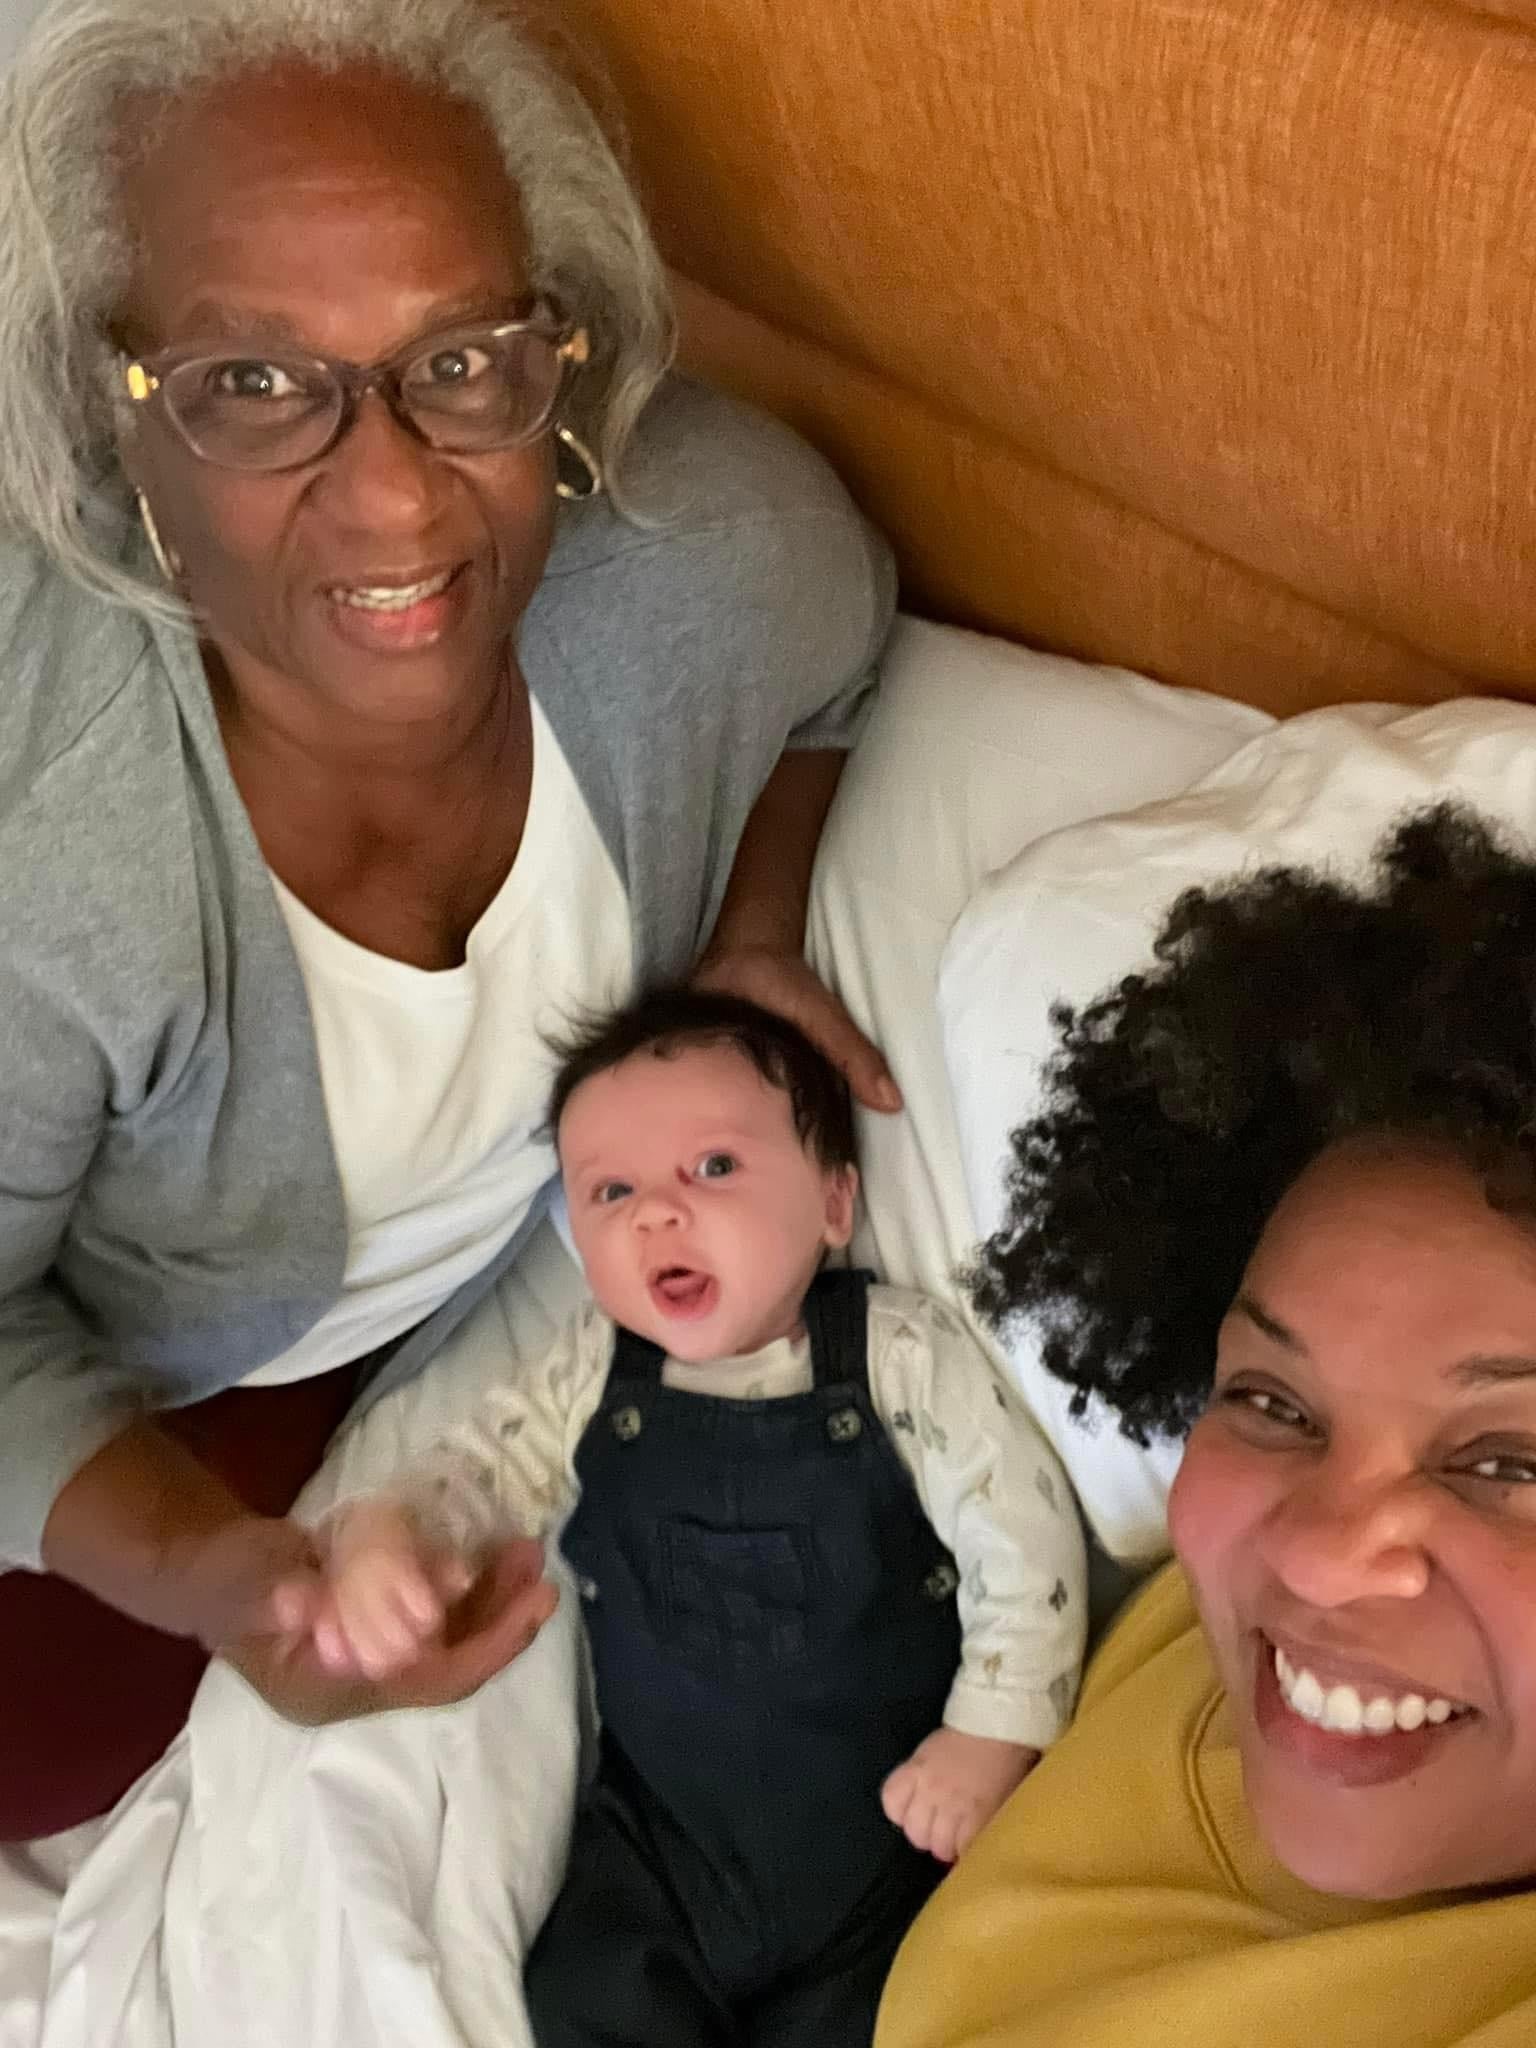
(837, 1323)
(635, 1358)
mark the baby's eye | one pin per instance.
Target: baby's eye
(715, 1166)
(608, 1192)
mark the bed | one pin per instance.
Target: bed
(1183, 347)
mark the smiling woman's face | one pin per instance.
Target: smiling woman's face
(347, 215)
(1357, 1514)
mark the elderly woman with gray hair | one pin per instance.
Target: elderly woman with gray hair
(351, 738)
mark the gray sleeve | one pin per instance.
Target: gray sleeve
(60, 1401)
(746, 573)
(837, 556)
(791, 606)
(740, 610)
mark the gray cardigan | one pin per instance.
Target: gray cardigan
(170, 1211)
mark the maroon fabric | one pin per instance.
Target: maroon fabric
(88, 1698)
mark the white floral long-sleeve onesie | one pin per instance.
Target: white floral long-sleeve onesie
(987, 1480)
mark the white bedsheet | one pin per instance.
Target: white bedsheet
(351, 1887)
(374, 1886)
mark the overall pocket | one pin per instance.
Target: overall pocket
(737, 1596)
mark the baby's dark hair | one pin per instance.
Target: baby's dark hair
(1285, 1011)
(671, 1020)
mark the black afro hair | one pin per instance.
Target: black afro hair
(1284, 1012)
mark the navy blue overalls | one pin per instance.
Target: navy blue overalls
(773, 1629)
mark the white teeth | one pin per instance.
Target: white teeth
(393, 600)
(1341, 1710)
(1380, 1719)
(1307, 1697)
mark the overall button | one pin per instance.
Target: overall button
(627, 1424)
(587, 1589)
(941, 1582)
(844, 1424)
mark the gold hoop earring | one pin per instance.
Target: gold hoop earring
(166, 558)
(590, 483)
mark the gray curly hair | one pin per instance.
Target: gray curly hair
(65, 252)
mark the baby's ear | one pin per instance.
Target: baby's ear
(842, 1191)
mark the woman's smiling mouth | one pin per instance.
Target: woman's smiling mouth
(1356, 1733)
(397, 617)
(391, 597)
(1345, 1709)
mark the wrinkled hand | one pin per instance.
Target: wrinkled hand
(481, 1633)
(256, 1576)
(950, 1787)
(780, 980)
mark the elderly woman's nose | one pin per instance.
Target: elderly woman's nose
(381, 476)
(1338, 1538)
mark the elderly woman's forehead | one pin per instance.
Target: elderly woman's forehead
(350, 205)
(360, 120)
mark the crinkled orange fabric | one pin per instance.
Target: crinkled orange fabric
(1198, 335)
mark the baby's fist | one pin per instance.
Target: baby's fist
(950, 1787)
(387, 1595)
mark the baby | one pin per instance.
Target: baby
(832, 1576)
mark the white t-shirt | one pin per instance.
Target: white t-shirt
(436, 1084)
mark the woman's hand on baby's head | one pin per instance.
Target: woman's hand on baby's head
(950, 1787)
(779, 979)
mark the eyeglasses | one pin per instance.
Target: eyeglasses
(467, 391)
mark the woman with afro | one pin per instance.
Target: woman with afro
(1281, 1200)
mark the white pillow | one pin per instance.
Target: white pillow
(1075, 912)
(974, 748)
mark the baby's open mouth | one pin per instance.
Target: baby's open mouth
(683, 1290)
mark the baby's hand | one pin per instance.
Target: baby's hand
(387, 1595)
(950, 1787)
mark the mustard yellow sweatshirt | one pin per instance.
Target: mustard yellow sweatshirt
(1123, 1899)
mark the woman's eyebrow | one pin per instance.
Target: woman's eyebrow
(214, 320)
(227, 323)
(1270, 1326)
(1491, 1369)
